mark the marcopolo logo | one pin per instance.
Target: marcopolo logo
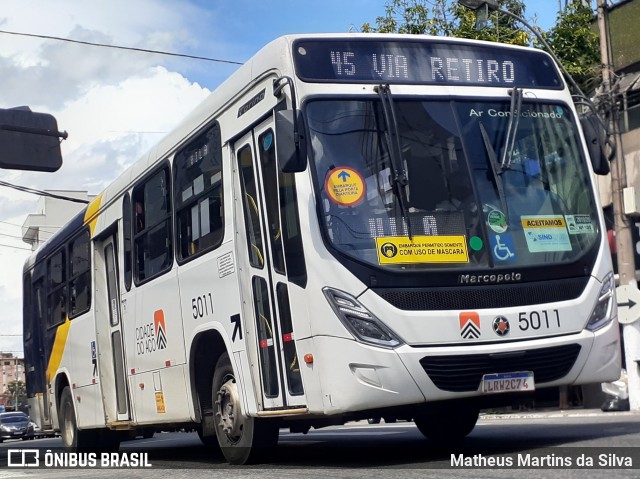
(489, 278)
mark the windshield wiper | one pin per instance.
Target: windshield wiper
(497, 178)
(399, 176)
(512, 129)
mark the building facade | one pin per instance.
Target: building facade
(52, 214)
(12, 368)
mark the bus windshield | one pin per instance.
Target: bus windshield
(428, 187)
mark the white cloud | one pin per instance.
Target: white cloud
(149, 103)
(115, 104)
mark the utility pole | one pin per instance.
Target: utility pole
(622, 225)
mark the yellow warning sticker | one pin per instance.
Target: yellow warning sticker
(422, 249)
(552, 221)
(160, 409)
(345, 186)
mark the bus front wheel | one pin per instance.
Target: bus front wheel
(243, 439)
(447, 424)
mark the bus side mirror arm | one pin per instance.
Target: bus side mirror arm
(291, 145)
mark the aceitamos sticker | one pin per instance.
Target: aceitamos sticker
(546, 233)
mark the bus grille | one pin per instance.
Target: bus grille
(486, 296)
(464, 372)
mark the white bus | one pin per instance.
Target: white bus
(350, 226)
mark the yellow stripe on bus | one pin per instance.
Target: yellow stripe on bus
(58, 348)
(91, 215)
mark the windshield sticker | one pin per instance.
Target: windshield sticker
(546, 233)
(345, 186)
(579, 224)
(476, 243)
(422, 249)
(503, 248)
(497, 221)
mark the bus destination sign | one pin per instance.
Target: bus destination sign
(423, 62)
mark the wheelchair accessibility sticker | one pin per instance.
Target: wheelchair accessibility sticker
(502, 247)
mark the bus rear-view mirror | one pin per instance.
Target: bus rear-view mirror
(595, 137)
(290, 141)
(29, 140)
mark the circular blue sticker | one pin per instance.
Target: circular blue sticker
(267, 142)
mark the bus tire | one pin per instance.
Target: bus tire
(210, 442)
(447, 424)
(243, 439)
(74, 439)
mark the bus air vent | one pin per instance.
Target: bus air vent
(463, 372)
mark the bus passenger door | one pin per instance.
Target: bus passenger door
(265, 288)
(34, 351)
(117, 410)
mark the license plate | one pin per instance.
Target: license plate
(508, 382)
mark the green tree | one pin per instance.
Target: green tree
(576, 44)
(16, 394)
(448, 18)
(573, 38)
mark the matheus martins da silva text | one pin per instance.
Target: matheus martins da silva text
(548, 460)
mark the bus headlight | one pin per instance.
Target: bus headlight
(359, 321)
(601, 313)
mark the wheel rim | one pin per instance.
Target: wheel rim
(230, 419)
(68, 432)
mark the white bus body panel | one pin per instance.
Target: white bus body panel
(77, 366)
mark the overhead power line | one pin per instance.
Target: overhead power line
(33, 191)
(119, 47)
(51, 232)
(16, 237)
(14, 247)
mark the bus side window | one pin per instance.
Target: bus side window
(57, 288)
(250, 206)
(152, 243)
(199, 194)
(28, 306)
(126, 227)
(80, 275)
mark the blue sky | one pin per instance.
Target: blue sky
(116, 104)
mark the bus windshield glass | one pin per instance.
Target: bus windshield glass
(429, 188)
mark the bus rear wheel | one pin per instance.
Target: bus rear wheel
(72, 438)
(82, 440)
(243, 439)
(447, 424)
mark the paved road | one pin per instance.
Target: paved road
(359, 450)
